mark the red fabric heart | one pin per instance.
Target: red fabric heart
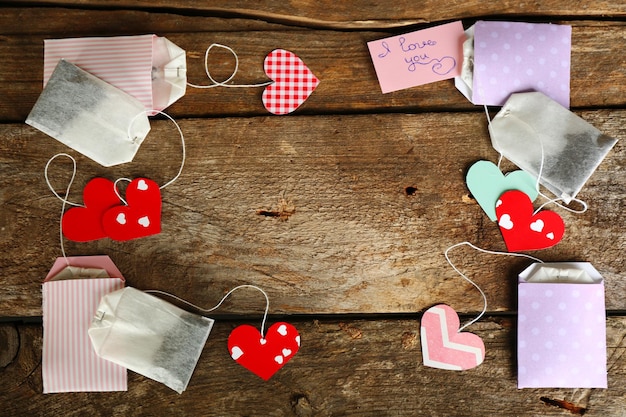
(293, 82)
(521, 229)
(264, 356)
(82, 224)
(141, 217)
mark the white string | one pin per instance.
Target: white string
(472, 282)
(65, 202)
(45, 173)
(208, 310)
(556, 201)
(117, 193)
(182, 141)
(224, 83)
(500, 157)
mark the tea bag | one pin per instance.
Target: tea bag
(149, 336)
(90, 116)
(540, 136)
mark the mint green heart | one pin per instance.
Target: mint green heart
(487, 184)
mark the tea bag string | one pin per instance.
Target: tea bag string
(64, 200)
(208, 310)
(224, 83)
(482, 293)
(69, 185)
(541, 167)
(183, 151)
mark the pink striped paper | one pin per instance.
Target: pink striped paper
(69, 362)
(123, 61)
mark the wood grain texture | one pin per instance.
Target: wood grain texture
(344, 207)
(339, 59)
(363, 14)
(356, 368)
(355, 242)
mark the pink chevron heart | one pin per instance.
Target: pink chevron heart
(443, 346)
(293, 82)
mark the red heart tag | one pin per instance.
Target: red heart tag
(82, 224)
(443, 346)
(141, 217)
(521, 229)
(293, 82)
(264, 356)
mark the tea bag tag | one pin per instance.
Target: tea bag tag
(549, 142)
(90, 116)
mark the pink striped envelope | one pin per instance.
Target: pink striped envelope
(148, 67)
(71, 295)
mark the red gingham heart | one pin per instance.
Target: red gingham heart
(293, 82)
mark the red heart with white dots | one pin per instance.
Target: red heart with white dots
(293, 82)
(83, 224)
(523, 230)
(141, 217)
(264, 356)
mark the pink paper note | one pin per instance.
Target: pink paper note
(561, 329)
(419, 57)
(69, 362)
(511, 57)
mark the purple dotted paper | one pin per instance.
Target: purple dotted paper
(513, 57)
(561, 336)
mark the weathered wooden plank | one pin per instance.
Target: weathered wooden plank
(356, 240)
(89, 22)
(340, 59)
(364, 14)
(364, 368)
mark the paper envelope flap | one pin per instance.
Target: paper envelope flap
(98, 262)
(169, 77)
(561, 272)
(75, 272)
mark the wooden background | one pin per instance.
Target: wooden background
(340, 212)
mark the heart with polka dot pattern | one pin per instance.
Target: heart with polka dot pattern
(524, 230)
(264, 356)
(141, 217)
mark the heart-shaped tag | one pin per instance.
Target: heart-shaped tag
(293, 82)
(443, 346)
(264, 356)
(521, 230)
(141, 217)
(83, 224)
(487, 183)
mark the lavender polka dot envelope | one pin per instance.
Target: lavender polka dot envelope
(511, 57)
(561, 327)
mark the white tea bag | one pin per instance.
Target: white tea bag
(149, 336)
(90, 116)
(539, 135)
